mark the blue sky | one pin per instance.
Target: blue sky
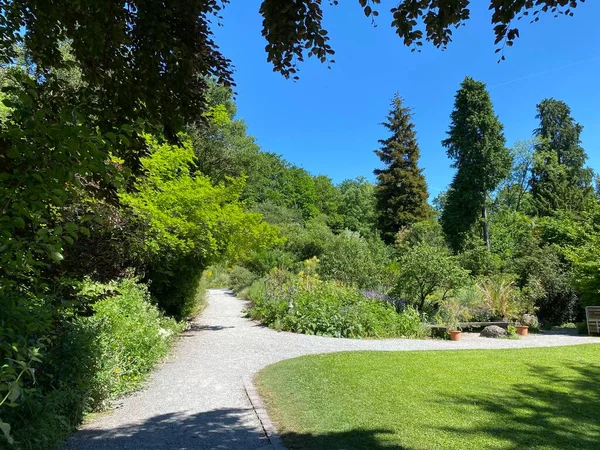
(329, 121)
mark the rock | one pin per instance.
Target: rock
(493, 331)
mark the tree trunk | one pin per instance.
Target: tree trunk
(486, 232)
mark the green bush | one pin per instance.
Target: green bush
(90, 360)
(134, 334)
(308, 305)
(240, 278)
(356, 261)
(216, 277)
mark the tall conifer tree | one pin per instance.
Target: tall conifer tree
(559, 179)
(476, 144)
(401, 191)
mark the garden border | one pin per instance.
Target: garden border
(258, 406)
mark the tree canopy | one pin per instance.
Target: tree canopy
(401, 190)
(476, 144)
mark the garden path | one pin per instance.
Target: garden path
(196, 399)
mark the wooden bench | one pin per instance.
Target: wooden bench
(592, 314)
(442, 330)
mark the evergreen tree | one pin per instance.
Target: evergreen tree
(476, 144)
(401, 191)
(559, 179)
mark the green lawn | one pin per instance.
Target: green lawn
(546, 398)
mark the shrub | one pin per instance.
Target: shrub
(502, 296)
(426, 269)
(240, 278)
(134, 334)
(90, 360)
(216, 277)
(356, 261)
(330, 309)
(264, 261)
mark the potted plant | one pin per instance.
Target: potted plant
(522, 330)
(453, 310)
(455, 334)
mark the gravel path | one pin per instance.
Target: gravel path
(196, 399)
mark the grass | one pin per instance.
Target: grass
(546, 398)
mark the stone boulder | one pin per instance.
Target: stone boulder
(493, 331)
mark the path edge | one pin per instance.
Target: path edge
(265, 421)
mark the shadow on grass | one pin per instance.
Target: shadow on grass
(228, 429)
(345, 440)
(550, 409)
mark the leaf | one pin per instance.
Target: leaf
(5, 427)
(14, 391)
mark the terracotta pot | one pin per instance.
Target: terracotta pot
(522, 330)
(455, 335)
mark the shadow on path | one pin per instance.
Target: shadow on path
(225, 429)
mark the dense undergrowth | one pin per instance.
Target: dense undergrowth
(309, 305)
(92, 359)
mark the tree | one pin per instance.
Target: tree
(401, 191)
(221, 143)
(514, 190)
(189, 224)
(476, 144)
(425, 269)
(170, 43)
(559, 179)
(357, 205)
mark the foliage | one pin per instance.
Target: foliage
(88, 361)
(586, 272)
(216, 277)
(191, 224)
(262, 262)
(311, 306)
(425, 270)
(240, 278)
(437, 399)
(222, 148)
(356, 261)
(307, 241)
(425, 232)
(502, 297)
(513, 192)
(134, 334)
(294, 28)
(559, 179)
(476, 145)
(357, 206)
(401, 190)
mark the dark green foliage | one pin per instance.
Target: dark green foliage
(221, 145)
(156, 80)
(264, 261)
(476, 144)
(559, 181)
(293, 28)
(88, 360)
(308, 241)
(401, 190)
